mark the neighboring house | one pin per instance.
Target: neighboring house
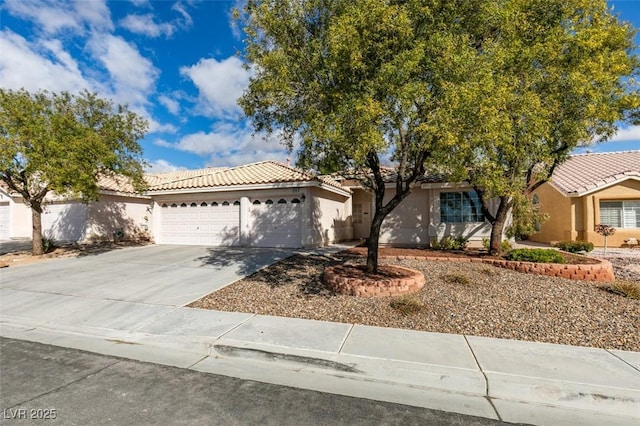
(591, 189)
(119, 211)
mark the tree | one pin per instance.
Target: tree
(549, 76)
(62, 143)
(357, 83)
(606, 231)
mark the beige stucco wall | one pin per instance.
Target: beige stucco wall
(407, 224)
(626, 190)
(575, 218)
(19, 217)
(113, 213)
(330, 217)
(561, 212)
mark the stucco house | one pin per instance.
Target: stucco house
(591, 189)
(264, 204)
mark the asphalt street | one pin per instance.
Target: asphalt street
(66, 386)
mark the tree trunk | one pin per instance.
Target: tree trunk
(497, 226)
(36, 236)
(373, 242)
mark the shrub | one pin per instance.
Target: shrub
(624, 288)
(407, 304)
(456, 279)
(575, 246)
(505, 245)
(449, 243)
(535, 255)
(48, 244)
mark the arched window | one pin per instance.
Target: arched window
(194, 205)
(214, 204)
(164, 206)
(236, 203)
(183, 205)
(295, 201)
(282, 201)
(256, 203)
(535, 200)
(203, 204)
(269, 202)
(174, 205)
(225, 203)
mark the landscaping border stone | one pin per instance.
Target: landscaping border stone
(351, 280)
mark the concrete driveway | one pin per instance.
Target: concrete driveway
(124, 288)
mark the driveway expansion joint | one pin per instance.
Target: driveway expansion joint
(486, 379)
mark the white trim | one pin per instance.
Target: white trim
(575, 194)
(229, 188)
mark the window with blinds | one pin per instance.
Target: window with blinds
(620, 214)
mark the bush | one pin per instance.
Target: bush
(449, 243)
(535, 255)
(407, 304)
(624, 288)
(575, 246)
(505, 245)
(456, 279)
(48, 244)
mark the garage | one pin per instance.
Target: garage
(4, 221)
(200, 222)
(276, 222)
(65, 222)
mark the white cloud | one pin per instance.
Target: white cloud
(132, 75)
(145, 25)
(186, 21)
(141, 3)
(39, 65)
(631, 133)
(220, 84)
(161, 166)
(170, 104)
(156, 127)
(228, 145)
(52, 16)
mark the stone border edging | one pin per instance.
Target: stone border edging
(338, 279)
(600, 272)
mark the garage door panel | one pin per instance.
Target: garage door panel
(200, 225)
(4, 221)
(276, 225)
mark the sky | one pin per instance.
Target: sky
(174, 62)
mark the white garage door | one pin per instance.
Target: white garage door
(4, 221)
(205, 223)
(65, 222)
(276, 223)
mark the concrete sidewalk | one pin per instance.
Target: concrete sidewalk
(509, 380)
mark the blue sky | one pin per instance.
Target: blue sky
(173, 62)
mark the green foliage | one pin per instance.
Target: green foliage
(49, 244)
(526, 217)
(505, 245)
(574, 246)
(407, 304)
(450, 243)
(628, 289)
(535, 255)
(62, 143)
(457, 278)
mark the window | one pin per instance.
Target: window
(214, 204)
(620, 214)
(193, 205)
(256, 203)
(183, 205)
(282, 201)
(203, 204)
(269, 202)
(357, 213)
(295, 201)
(460, 207)
(225, 203)
(236, 203)
(164, 206)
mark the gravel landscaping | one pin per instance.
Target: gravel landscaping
(462, 298)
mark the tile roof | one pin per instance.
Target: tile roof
(263, 172)
(583, 173)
